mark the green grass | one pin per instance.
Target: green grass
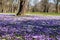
(38, 13)
(43, 14)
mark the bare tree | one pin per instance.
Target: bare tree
(1, 6)
(22, 7)
(56, 2)
(45, 5)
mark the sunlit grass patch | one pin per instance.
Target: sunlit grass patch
(35, 14)
(43, 14)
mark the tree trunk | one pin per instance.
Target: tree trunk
(22, 7)
(57, 6)
(45, 5)
(44, 8)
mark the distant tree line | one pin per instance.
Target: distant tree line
(46, 6)
(12, 6)
(8, 6)
(21, 6)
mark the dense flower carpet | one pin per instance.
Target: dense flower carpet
(29, 28)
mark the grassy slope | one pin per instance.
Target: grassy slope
(37, 13)
(43, 14)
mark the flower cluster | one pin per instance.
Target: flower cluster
(12, 28)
